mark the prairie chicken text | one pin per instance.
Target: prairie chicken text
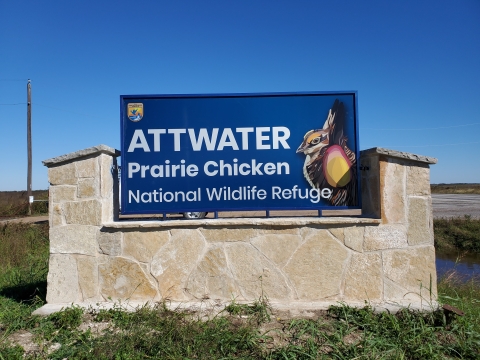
(210, 168)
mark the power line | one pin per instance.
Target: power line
(55, 108)
(13, 79)
(404, 129)
(403, 145)
(428, 128)
(50, 107)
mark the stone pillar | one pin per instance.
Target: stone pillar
(83, 195)
(396, 189)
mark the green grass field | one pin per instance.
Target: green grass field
(239, 332)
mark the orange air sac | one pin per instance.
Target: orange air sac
(337, 167)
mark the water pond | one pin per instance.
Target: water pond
(467, 266)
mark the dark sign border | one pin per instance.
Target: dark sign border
(125, 98)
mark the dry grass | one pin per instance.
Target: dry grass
(455, 188)
(15, 203)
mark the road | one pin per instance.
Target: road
(453, 205)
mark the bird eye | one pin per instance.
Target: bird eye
(315, 141)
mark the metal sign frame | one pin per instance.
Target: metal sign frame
(190, 152)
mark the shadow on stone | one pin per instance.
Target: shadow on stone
(26, 292)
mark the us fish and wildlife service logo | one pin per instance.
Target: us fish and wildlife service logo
(135, 111)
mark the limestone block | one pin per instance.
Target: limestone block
(363, 280)
(354, 238)
(385, 237)
(212, 279)
(256, 275)
(56, 215)
(143, 245)
(316, 268)
(430, 214)
(172, 264)
(418, 180)
(146, 269)
(419, 222)
(73, 239)
(371, 206)
(267, 230)
(62, 279)
(370, 186)
(87, 212)
(61, 193)
(278, 248)
(339, 233)
(87, 268)
(106, 163)
(87, 188)
(110, 243)
(62, 175)
(103, 259)
(124, 279)
(312, 230)
(237, 233)
(107, 209)
(372, 163)
(87, 168)
(392, 188)
(396, 293)
(412, 268)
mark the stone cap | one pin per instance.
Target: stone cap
(280, 222)
(398, 154)
(99, 149)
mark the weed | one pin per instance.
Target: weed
(24, 267)
(258, 310)
(461, 233)
(9, 352)
(15, 203)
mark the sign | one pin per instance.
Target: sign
(239, 152)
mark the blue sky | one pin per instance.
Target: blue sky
(415, 65)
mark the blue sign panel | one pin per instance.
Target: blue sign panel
(239, 152)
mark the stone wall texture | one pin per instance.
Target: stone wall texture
(385, 256)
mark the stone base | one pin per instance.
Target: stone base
(292, 310)
(385, 258)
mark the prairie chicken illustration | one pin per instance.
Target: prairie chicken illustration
(329, 162)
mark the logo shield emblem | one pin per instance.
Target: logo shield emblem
(135, 111)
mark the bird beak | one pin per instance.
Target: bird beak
(301, 148)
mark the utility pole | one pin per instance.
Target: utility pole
(29, 145)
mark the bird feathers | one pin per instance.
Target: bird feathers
(315, 146)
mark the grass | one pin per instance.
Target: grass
(455, 188)
(15, 203)
(24, 266)
(341, 332)
(460, 234)
(464, 295)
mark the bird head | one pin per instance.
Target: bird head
(314, 141)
